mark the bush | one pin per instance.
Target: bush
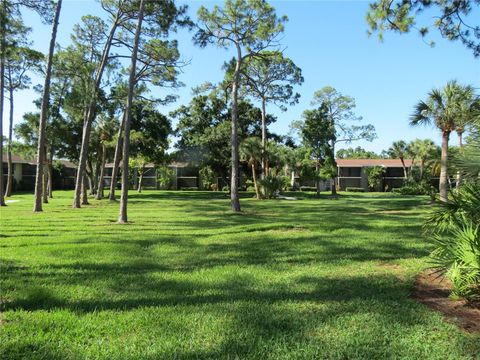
(165, 177)
(271, 185)
(421, 188)
(207, 177)
(355, 189)
(192, 188)
(455, 231)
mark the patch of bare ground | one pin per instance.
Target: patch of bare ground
(434, 291)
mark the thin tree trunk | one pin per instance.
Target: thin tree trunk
(422, 167)
(99, 195)
(254, 176)
(333, 186)
(116, 163)
(45, 181)
(8, 191)
(405, 174)
(264, 137)
(235, 202)
(2, 88)
(122, 217)
(91, 178)
(317, 180)
(90, 114)
(140, 179)
(50, 175)
(292, 180)
(443, 186)
(460, 145)
(44, 114)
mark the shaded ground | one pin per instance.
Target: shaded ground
(434, 291)
(187, 279)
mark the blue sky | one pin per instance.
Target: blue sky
(328, 41)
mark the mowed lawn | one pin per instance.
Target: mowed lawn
(187, 279)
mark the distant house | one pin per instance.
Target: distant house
(24, 173)
(351, 172)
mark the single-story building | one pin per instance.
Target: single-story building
(351, 172)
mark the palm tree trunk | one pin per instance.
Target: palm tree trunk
(422, 167)
(254, 176)
(8, 191)
(405, 175)
(443, 185)
(460, 145)
(116, 163)
(235, 202)
(99, 195)
(122, 217)
(44, 114)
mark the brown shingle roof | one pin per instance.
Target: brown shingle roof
(373, 162)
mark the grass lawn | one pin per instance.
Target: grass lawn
(187, 279)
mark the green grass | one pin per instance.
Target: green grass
(187, 279)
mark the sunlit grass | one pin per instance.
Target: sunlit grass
(187, 279)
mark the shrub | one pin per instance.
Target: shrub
(374, 176)
(208, 177)
(271, 185)
(355, 189)
(455, 232)
(165, 177)
(192, 188)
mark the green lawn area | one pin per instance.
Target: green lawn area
(187, 279)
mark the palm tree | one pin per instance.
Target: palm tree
(442, 108)
(422, 150)
(251, 151)
(399, 150)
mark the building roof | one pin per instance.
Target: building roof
(19, 160)
(373, 162)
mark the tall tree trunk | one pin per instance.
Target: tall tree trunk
(235, 202)
(8, 191)
(460, 145)
(90, 114)
(3, 46)
(333, 186)
(140, 178)
(42, 127)
(45, 180)
(317, 180)
(116, 163)
(84, 193)
(255, 183)
(50, 175)
(122, 216)
(90, 178)
(443, 186)
(99, 195)
(264, 138)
